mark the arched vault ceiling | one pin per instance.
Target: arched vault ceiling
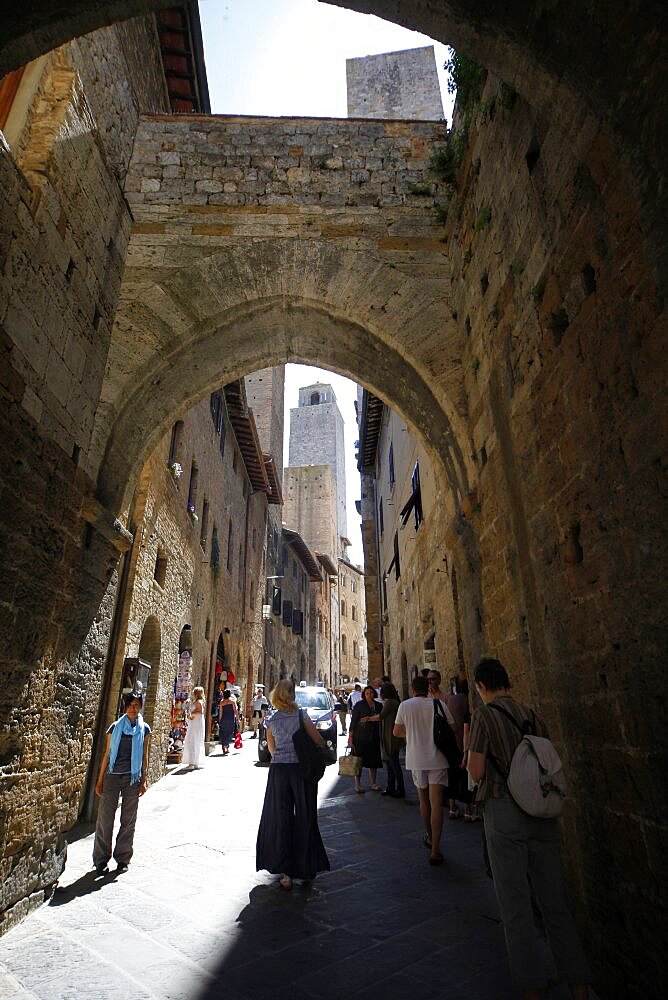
(234, 334)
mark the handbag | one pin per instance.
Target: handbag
(350, 766)
(444, 737)
(311, 757)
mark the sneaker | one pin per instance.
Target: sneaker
(101, 868)
(121, 868)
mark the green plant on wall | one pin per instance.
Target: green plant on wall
(466, 79)
(475, 367)
(538, 290)
(421, 190)
(484, 218)
(507, 97)
(441, 212)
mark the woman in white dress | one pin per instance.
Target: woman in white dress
(193, 745)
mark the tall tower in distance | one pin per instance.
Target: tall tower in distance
(316, 438)
(400, 85)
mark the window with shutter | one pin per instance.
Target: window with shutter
(298, 622)
(276, 603)
(287, 613)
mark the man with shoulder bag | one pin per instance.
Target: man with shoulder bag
(418, 720)
(520, 786)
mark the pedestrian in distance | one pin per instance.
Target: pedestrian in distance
(427, 764)
(354, 696)
(288, 838)
(391, 745)
(364, 736)
(458, 791)
(524, 850)
(228, 719)
(342, 711)
(259, 706)
(123, 771)
(193, 745)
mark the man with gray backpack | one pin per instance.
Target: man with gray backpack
(521, 789)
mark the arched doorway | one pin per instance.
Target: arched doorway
(405, 685)
(149, 651)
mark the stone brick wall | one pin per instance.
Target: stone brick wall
(65, 228)
(310, 506)
(374, 638)
(353, 661)
(265, 391)
(214, 600)
(395, 85)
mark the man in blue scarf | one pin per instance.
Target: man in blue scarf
(122, 772)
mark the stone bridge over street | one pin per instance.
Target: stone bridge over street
(256, 240)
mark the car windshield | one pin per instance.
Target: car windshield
(308, 698)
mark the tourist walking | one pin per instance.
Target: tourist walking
(288, 838)
(122, 773)
(259, 706)
(354, 696)
(228, 718)
(342, 711)
(193, 745)
(428, 766)
(524, 851)
(391, 745)
(364, 736)
(458, 791)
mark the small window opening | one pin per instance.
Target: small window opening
(160, 571)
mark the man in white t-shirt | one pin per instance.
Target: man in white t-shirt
(259, 706)
(428, 766)
(354, 696)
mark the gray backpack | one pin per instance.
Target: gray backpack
(535, 778)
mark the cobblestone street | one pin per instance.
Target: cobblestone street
(192, 920)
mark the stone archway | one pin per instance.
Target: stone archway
(537, 385)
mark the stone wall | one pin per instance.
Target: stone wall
(310, 506)
(265, 391)
(395, 85)
(353, 661)
(199, 589)
(65, 228)
(562, 364)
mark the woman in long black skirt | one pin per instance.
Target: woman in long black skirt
(288, 840)
(364, 736)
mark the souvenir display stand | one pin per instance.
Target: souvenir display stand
(180, 696)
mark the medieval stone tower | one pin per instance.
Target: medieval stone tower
(316, 438)
(395, 85)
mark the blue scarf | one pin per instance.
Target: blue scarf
(123, 727)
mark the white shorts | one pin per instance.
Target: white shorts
(423, 778)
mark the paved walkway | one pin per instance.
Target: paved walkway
(192, 920)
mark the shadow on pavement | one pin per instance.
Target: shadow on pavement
(381, 921)
(84, 886)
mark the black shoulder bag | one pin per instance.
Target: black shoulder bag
(311, 756)
(444, 737)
